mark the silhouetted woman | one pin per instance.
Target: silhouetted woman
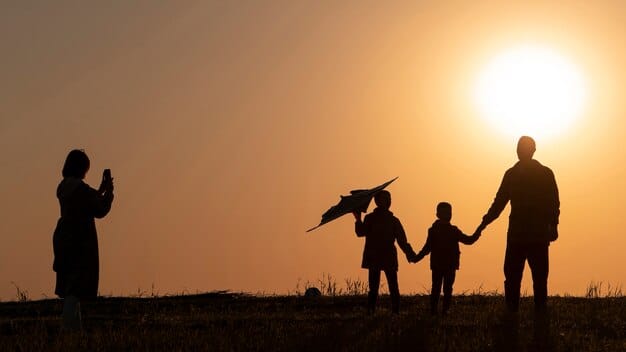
(75, 240)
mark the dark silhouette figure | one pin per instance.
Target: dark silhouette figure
(442, 244)
(75, 240)
(531, 188)
(381, 230)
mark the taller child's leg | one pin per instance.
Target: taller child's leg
(394, 290)
(539, 266)
(448, 282)
(435, 290)
(514, 260)
(374, 282)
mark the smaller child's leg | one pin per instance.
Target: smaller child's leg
(435, 291)
(448, 282)
(374, 282)
(394, 290)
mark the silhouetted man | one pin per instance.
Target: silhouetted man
(381, 230)
(534, 197)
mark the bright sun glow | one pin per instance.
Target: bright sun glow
(530, 91)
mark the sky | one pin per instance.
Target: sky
(230, 127)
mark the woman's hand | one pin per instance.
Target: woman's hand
(106, 186)
(110, 186)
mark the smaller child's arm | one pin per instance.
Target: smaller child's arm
(403, 242)
(425, 250)
(466, 239)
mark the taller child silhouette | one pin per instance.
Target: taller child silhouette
(381, 230)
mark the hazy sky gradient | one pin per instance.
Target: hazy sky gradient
(231, 127)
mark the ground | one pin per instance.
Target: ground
(223, 321)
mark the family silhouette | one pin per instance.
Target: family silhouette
(532, 191)
(529, 186)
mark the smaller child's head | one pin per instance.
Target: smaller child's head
(383, 199)
(444, 211)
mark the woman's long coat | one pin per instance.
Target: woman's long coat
(75, 240)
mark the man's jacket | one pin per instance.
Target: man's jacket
(534, 196)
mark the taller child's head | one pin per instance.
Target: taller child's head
(383, 199)
(444, 211)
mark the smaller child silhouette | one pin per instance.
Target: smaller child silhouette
(443, 246)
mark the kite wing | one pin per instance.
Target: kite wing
(358, 200)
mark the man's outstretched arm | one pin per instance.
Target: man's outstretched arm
(467, 239)
(499, 203)
(403, 243)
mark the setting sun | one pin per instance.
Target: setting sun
(530, 90)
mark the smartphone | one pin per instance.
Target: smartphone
(106, 174)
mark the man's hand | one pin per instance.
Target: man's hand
(357, 215)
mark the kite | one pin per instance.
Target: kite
(358, 200)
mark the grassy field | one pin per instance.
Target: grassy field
(237, 322)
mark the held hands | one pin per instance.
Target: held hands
(480, 228)
(413, 258)
(476, 235)
(357, 215)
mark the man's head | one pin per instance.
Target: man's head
(444, 211)
(383, 199)
(525, 148)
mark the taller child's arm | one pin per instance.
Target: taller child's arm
(402, 241)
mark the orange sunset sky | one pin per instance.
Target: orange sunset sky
(230, 127)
